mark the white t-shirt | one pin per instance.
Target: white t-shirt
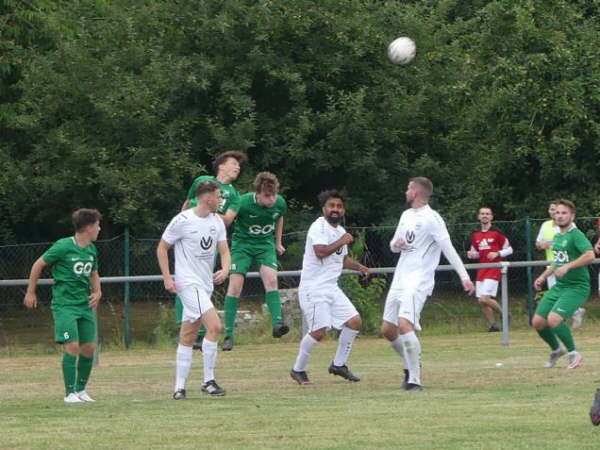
(422, 229)
(317, 272)
(195, 240)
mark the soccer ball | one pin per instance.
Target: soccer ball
(402, 50)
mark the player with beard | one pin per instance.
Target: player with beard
(324, 305)
(488, 245)
(420, 237)
(572, 253)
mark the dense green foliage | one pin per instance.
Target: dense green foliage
(118, 104)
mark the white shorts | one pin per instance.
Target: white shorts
(405, 303)
(486, 288)
(329, 309)
(196, 301)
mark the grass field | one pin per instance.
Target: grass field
(469, 402)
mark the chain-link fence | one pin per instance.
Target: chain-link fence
(132, 309)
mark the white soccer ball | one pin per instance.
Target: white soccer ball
(402, 50)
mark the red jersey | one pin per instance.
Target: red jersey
(485, 242)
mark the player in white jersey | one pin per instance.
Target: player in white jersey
(196, 234)
(323, 303)
(420, 237)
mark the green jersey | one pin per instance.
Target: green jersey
(255, 223)
(229, 195)
(568, 247)
(71, 268)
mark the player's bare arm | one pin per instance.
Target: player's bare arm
(96, 294)
(278, 237)
(229, 217)
(584, 260)
(352, 264)
(323, 251)
(162, 253)
(450, 253)
(221, 275)
(30, 300)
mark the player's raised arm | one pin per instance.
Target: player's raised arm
(30, 300)
(323, 251)
(162, 253)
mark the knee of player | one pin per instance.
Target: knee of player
(554, 320)
(88, 349)
(72, 348)
(539, 322)
(355, 323)
(389, 331)
(319, 334)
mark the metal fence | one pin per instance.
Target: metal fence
(130, 309)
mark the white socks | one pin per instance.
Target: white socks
(412, 356)
(307, 344)
(183, 362)
(344, 348)
(209, 353)
(399, 347)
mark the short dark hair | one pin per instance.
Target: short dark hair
(266, 182)
(485, 207)
(206, 186)
(568, 203)
(222, 157)
(554, 202)
(425, 184)
(332, 193)
(84, 217)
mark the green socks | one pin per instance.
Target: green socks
(84, 368)
(274, 304)
(547, 334)
(564, 334)
(69, 372)
(231, 307)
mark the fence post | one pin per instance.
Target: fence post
(126, 292)
(529, 269)
(505, 313)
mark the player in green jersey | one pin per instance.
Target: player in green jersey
(257, 232)
(572, 252)
(75, 295)
(226, 167)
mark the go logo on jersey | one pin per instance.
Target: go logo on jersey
(561, 256)
(257, 229)
(81, 268)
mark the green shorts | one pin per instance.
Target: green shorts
(74, 324)
(563, 301)
(243, 254)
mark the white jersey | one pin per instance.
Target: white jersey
(422, 229)
(318, 273)
(195, 240)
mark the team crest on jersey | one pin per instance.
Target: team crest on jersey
(339, 251)
(206, 243)
(410, 237)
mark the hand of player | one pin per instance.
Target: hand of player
(472, 254)
(220, 276)
(346, 239)
(468, 287)
(170, 285)
(280, 249)
(399, 243)
(492, 255)
(544, 245)
(30, 300)
(538, 284)
(365, 271)
(94, 299)
(561, 271)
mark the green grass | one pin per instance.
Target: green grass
(469, 402)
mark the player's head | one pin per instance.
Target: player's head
(552, 208)
(266, 186)
(564, 214)
(485, 215)
(419, 188)
(333, 205)
(208, 193)
(228, 164)
(87, 221)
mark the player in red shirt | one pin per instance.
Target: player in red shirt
(488, 245)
